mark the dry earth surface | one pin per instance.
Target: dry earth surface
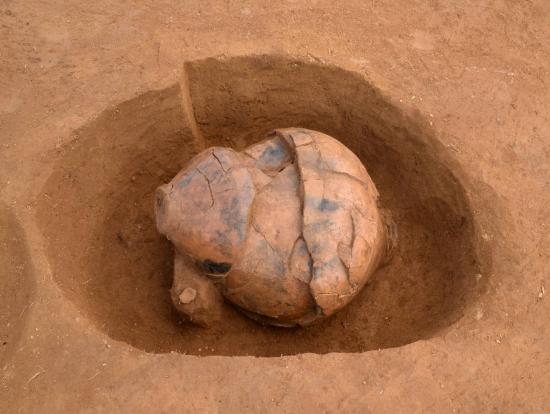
(446, 103)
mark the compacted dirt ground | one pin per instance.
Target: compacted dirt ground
(447, 105)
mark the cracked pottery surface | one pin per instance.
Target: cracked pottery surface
(288, 230)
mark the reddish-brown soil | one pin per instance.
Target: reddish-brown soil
(447, 106)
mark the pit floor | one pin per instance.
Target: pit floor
(478, 74)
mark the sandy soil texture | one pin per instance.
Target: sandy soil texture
(446, 104)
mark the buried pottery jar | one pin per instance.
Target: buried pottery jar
(288, 230)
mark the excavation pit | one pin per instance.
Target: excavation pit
(97, 217)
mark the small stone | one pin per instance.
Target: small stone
(188, 295)
(479, 314)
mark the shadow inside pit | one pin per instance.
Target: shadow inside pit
(96, 212)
